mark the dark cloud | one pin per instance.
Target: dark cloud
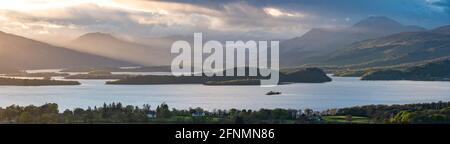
(444, 4)
(415, 12)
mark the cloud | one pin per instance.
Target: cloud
(143, 18)
(263, 19)
(279, 13)
(444, 4)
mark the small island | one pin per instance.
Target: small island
(234, 82)
(305, 75)
(273, 93)
(34, 82)
(99, 74)
(118, 69)
(42, 74)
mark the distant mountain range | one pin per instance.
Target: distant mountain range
(407, 47)
(373, 42)
(110, 46)
(17, 52)
(319, 42)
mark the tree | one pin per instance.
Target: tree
(68, 116)
(146, 108)
(308, 112)
(25, 117)
(238, 120)
(49, 118)
(50, 108)
(401, 117)
(163, 111)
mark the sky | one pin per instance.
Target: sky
(58, 21)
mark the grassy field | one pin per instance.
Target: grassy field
(346, 120)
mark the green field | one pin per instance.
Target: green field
(346, 119)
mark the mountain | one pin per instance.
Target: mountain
(318, 42)
(110, 46)
(407, 47)
(382, 25)
(17, 52)
(442, 30)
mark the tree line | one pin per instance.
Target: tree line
(436, 112)
(118, 113)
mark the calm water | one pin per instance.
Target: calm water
(342, 92)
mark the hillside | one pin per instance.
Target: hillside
(318, 42)
(17, 52)
(107, 45)
(408, 47)
(433, 71)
